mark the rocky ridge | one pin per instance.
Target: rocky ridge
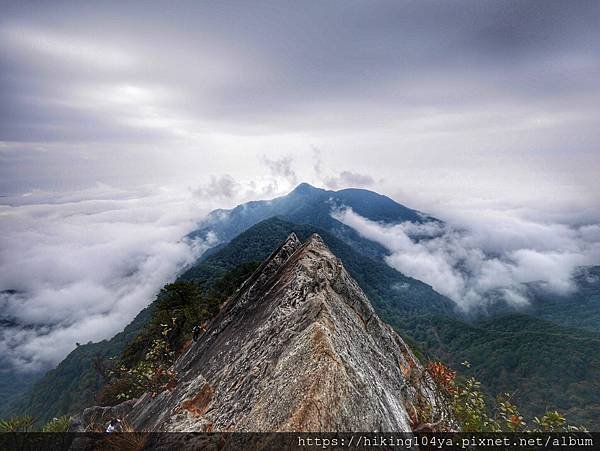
(297, 348)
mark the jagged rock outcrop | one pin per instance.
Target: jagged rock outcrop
(297, 348)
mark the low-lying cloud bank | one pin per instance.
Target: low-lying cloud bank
(79, 267)
(493, 257)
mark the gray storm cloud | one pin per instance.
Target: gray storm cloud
(79, 269)
(494, 255)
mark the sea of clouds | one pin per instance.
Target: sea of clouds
(79, 267)
(492, 254)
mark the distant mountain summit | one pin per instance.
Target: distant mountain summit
(309, 205)
(297, 348)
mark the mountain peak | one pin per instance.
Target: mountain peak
(288, 247)
(307, 204)
(315, 239)
(305, 188)
(297, 348)
(292, 238)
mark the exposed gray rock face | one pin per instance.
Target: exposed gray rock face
(297, 348)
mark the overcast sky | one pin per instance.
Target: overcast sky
(118, 115)
(493, 99)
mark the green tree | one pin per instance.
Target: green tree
(474, 412)
(21, 423)
(60, 424)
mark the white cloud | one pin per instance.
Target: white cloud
(492, 255)
(83, 266)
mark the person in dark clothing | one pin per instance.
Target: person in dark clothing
(197, 330)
